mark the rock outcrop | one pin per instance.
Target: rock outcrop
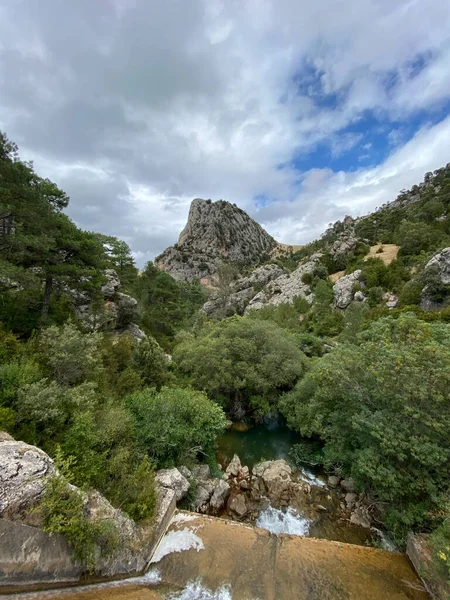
(287, 287)
(116, 313)
(216, 232)
(343, 289)
(173, 480)
(242, 291)
(24, 473)
(436, 294)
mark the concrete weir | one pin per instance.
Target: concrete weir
(225, 559)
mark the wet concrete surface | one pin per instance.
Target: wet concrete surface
(256, 564)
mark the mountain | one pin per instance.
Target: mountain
(216, 233)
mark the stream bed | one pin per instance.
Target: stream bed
(320, 514)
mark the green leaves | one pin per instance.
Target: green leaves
(382, 407)
(240, 359)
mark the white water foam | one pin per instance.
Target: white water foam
(276, 521)
(386, 543)
(177, 541)
(310, 478)
(196, 591)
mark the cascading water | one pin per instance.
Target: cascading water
(196, 591)
(279, 521)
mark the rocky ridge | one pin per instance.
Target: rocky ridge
(216, 232)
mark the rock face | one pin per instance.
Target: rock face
(243, 290)
(24, 470)
(29, 555)
(172, 479)
(439, 268)
(287, 287)
(343, 289)
(216, 232)
(346, 242)
(118, 311)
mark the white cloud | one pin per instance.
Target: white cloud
(137, 107)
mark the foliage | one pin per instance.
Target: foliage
(167, 305)
(175, 424)
(440, 542)
(382, 408)
(62, 511)
(239, 359)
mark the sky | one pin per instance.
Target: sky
(299, 112)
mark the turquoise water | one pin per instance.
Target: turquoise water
(260, 442)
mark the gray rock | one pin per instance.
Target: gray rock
(216, 232)
(126, 309)
(185, 472)
(112, 285)
(350, 500)
(172, 479)
(346, 242)
(237, 506)
(220, 495)
(348, 485)
(359, 296)
(273, 479)
(24, 471)
(333, 481)
(343, 289)
(203, 494)
(439, 264)
(360, 516)
(201, 472)
(286, 288)
(234, 467)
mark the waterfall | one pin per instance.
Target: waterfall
(278, 521)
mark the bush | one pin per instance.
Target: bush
(381, 407)
(62, 511)
(241, 358)
(174, 425)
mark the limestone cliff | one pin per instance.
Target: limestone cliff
(216, 232)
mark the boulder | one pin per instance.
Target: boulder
(172, 479)
(126, 309)
(203, 494)
(185, 472)
(237, 506)
(112, 284)
(346, 242)
(273, 479)
(24, 471)
(333, 481)
(348, 485)
(201, 472)
(234, 467)
(287, 287)
(350, 500)
(220, 495)
(360, 516)
(359, 296)
(343, 289)
(439, 268)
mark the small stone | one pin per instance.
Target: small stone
(244, 485)
(321, 508)
(360, 517)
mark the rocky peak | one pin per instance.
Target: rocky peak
(216, 232)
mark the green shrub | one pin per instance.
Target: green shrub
(62, 511)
